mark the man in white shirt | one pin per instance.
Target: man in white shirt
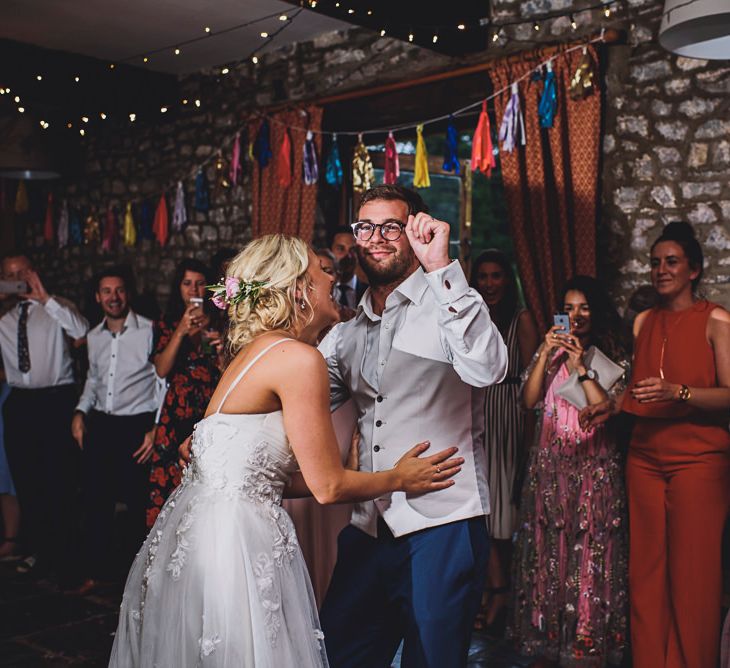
(414, 361)
(114, 424)
(35, 350)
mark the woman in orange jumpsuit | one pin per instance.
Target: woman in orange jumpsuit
(678, 467)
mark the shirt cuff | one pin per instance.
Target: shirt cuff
(52, 307)
(84, 406)
(448, 283)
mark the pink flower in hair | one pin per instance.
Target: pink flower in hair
(233, 287)
(220, 301)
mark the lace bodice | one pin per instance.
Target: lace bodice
(246, 455)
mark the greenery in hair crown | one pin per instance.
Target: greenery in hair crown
(234, 290)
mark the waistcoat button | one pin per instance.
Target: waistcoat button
(378, 423)
(376, 448)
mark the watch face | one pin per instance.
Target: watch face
(591, 374)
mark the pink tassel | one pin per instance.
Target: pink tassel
(392, 168)
(235, 169)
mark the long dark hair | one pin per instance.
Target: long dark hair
(606, 325)
(683, 234)
(176, 306)
(503, 312)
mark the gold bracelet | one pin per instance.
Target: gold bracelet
(684, 393)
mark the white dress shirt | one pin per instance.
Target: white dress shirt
(50, 360)
(121, 379)
(417, 373)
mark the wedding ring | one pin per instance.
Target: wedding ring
(438, 469)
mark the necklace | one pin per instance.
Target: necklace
(665, 336)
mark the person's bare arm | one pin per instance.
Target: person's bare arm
(165, 360)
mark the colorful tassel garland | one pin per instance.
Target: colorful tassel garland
(62, 233)
(513, 122)
(179, 215)
(333, 167)
(160, 227)
(235, 169)
(549, 101)
(283, 164)
(309, 164)
(421, 178)
(109, 242)
(130, 231)
(21, 199)
(48, 223)
(451, 152)
(202, 196)
(363, 174)
(262, 145)
(482, 150)
(392, 166)
(75, 233)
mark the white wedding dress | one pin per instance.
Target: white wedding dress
(220, 581)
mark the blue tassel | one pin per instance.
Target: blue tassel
(75, 231)
(333, 167)
(549, 100)
(262, 145)
(146, 218)
(202, 196)
(451, 157)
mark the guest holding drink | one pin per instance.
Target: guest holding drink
(186, 355)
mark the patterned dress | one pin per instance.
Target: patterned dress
(192, 380)
(570, 561)
(504, 427)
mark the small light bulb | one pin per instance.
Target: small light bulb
(103, 116)
(111, 66)
(21, 110)
(133, 117)
(177, 52)
(255, 60)
(145, 59)
(197, 103)
(607, 12)
(85, 119)
(207, 29)
(17, 98)
(77, 79)
(313, 4)
(410, 37)
(350, 11)
(573, 24)
(69, 125)
(225, 70)
(382, 33)
(495, 37)
(82, 132)
(41, 123)
(185, 101)
(536, 26)
(370, 12)
(461, 26)
(163, 110)
(435, 39)
(39, 77)
(337, 4)
(283, 17)
(264, 34)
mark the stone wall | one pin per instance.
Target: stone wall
(666, 144)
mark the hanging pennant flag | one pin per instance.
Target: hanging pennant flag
(62, 232)
(21, 199)
(235, 171)
(309, 165)
(451, 152)
(392, 167)
(549, 101)
(179, 215)
(421, 178)
(513, 122)
(75, 233)
(147, 218)
(202, 196)
(48, 223)
(363, 174)
(482, 150)
(333, 166)
(92, 229)
(109, 242)
(581, 85)
(161, 225)
(262, 145)
(283, 165)
(129, 230)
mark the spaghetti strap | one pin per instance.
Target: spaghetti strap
(245, 369)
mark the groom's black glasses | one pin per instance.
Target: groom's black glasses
(389, 231)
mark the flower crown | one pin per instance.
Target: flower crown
(234, 290)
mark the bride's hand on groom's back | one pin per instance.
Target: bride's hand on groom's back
(419, 475)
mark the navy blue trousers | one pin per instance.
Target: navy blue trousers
(423, 588)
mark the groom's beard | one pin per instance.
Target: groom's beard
(394, 268)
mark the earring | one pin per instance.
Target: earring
(302, 305)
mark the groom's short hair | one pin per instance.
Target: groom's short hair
(395, 192)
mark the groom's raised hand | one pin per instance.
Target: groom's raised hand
(429, 239)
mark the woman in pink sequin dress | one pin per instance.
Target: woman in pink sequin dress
(570, 599)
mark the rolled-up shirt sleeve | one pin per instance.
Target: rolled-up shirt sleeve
(470, 339)
(339, 393)
(66, 315)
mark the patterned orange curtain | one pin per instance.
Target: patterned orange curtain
(290, 209)
(551, 183)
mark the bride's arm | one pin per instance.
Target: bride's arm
(303, 388)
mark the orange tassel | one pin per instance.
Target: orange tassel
(482, 150)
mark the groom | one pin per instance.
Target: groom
(414, 360)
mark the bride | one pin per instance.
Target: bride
(220, 580)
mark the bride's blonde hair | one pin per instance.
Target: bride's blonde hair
(281, 262)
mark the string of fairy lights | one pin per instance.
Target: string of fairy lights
(497, 30)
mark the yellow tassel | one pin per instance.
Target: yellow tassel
(21, 199)
(581, 85)
(363, 174)
(420, 175)
(130, 231)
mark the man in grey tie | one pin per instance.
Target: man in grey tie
(34, 342)
(349, 289)
(414, 361)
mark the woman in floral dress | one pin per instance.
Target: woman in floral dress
(570, 561)
(185, 355)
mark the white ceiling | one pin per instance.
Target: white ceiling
(117, 29)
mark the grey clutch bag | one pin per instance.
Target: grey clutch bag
(607, 373)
